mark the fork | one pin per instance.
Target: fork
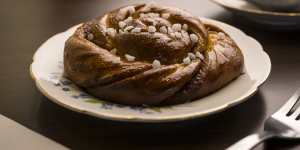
(283, 124)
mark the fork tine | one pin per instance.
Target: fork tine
(296, 113)
(290, 103)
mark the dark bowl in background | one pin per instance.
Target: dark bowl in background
(278, 5)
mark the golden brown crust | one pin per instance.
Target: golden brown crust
(219, 68)
(167, 67)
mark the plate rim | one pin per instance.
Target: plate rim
(257, 11)
(174, 118)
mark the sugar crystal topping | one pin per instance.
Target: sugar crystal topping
(129, 57)
(122, 24)
(90, 36)
(187, 60)
(111, 32)
(221, 35)
(176, 27)
(117, 60)
(151, 29)
(163, 29)
(194, 38)
(178, 35)
(185, 27)
(114, 51)
(199, 55)
(131, 10)
(156, 64)
(165, 15)
(136, 30)
(128, 28)
(128, 20)
(174, 31)
(192, 56)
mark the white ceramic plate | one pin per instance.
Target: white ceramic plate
(47, 70)
(274, 20)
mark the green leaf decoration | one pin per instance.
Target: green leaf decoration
(159, 109)
(156, 109)
(94, 101)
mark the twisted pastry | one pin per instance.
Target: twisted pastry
(150, 55)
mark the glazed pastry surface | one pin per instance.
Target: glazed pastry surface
(150, 55)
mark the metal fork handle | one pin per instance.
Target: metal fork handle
(249, 142)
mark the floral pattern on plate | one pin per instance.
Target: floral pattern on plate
(77, 94)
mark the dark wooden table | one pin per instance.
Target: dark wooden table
(27, 24)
